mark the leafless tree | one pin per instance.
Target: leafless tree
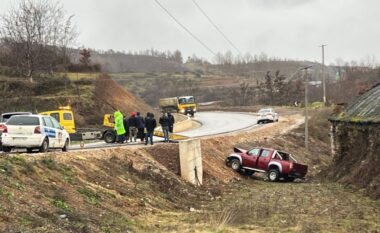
(37, 32)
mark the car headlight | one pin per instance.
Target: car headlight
(182, 111)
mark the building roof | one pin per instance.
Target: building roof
(365, 109)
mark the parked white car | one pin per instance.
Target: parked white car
(34, 132)
(266, 115)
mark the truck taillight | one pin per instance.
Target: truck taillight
(291, 166)
(4, 129)
(37, 130)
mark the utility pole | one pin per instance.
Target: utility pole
(306, 75)
(323, 73)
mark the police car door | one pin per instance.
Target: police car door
(60, 139)
(50, 131)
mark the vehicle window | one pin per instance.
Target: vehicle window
(265, 153)
(55, 116)
(254, 152)
(55, 123)
(277, 156)
(23, 120)
(67, 116)
(284, 155)
(189, 100)
(264, 110)
(47, 122)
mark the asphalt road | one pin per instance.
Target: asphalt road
(212, 123)
(221, 122)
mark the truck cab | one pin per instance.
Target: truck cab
(186, 105)
(64, 116)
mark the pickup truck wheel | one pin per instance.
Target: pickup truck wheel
(109, 137)
(7, 149)
(235, 165)
(273, 175)
(45, 145)
(66, 146)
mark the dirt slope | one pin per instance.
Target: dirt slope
(137, 189)
(107, 97)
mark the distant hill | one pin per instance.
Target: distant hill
(118, 62)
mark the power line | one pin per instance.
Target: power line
(183, 26)
(216, 27)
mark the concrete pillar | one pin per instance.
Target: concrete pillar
(190, 158)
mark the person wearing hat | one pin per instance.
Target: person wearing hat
(132, 124)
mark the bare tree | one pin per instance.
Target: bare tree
(37, 32)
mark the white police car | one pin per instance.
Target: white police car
(34, 132)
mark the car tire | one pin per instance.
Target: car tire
(44, 146)
(248, 172)
(109, 137)
(235, 165)
(273, 175)
(258, 122)
(29, 150)
(7, 149)
(65, 148)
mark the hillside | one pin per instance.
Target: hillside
(134, 189)
(90, 98)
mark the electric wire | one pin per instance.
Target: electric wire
(183, 26)
(216, 26)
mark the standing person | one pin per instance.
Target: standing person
(164, 122)
(126, 127)
(132, 124)
(171, 122)
(140, 127)
(150, 125)
(119, 126)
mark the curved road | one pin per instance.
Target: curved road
(213, 123)
(220, 122)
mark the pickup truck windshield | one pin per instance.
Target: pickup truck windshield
(23, 120)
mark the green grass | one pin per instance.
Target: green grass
(91, 196)
(60, 204)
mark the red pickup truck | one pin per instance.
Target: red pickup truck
(276, 164)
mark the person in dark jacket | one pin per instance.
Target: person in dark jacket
(140, 127)
(126, 127)
(164, 122)
(150, 125)
(132, 124)
(171, 122)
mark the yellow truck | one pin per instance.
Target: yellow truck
(65, 117)
(182, 104)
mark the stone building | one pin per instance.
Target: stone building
(355, 144)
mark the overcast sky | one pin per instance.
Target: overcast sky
(281, 28)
